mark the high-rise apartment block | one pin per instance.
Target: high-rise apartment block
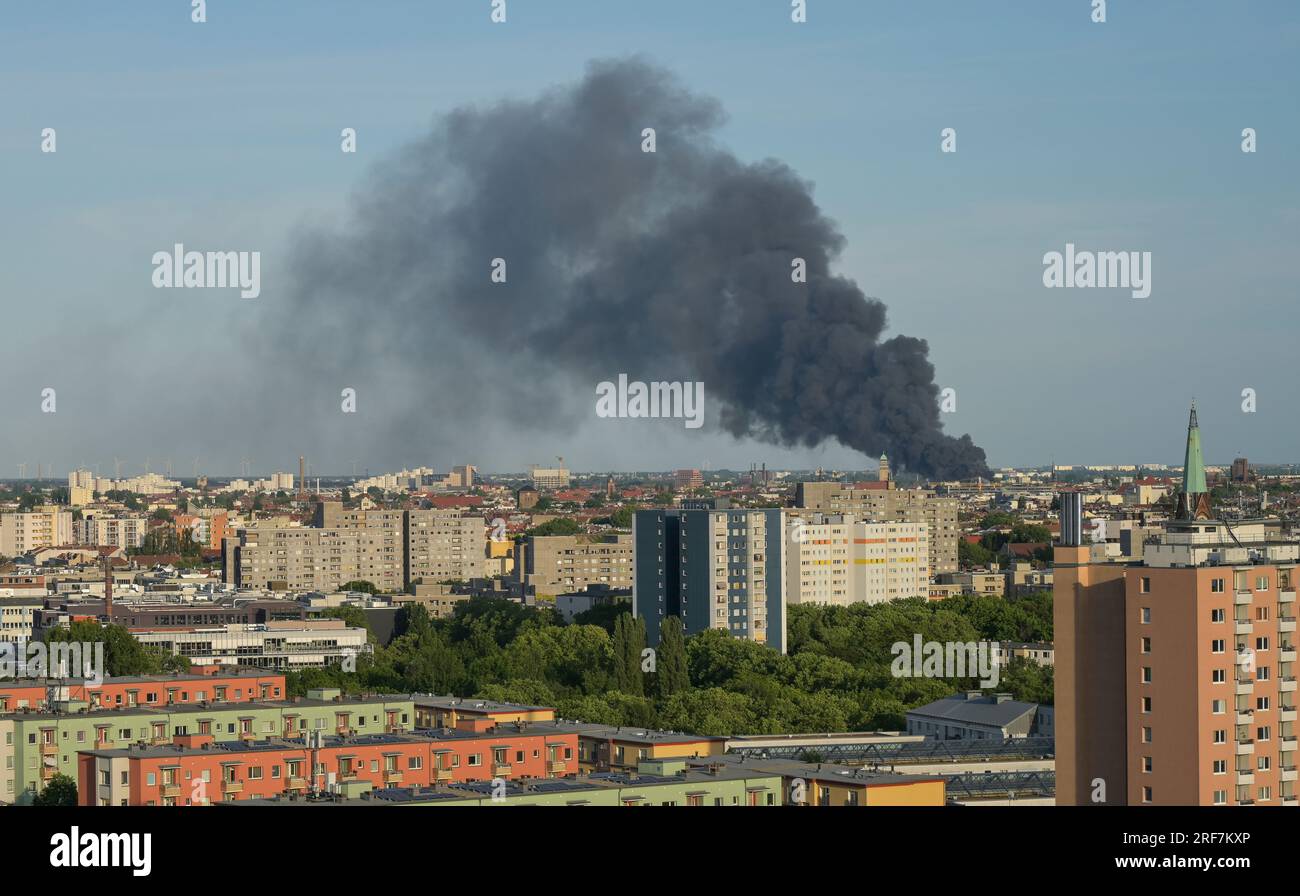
(553, 564)
(839, 559)
(444, 545)
(117, 531)
(721, 568)
(388, 548)
(882, 500)
(1175, 675)
(28, 531)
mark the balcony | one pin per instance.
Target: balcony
(443, 774)
(49, 749)
(1287, 655)
(501, 769)
(296, 783)
(393, 777)
(556, 767)
(1245, 685)
(1290, 800)
(1245, 716)
(1286, 597)
(1245, 746)
(1288, 773)
(1286, 623)
(1286, 714)
(1286, 684)
(1242, 597)
(1245, 776)
(232, 786)
(171, 790)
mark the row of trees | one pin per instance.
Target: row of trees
(836, 675)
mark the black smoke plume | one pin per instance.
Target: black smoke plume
(672, 265)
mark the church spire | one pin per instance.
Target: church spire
(1193, 499)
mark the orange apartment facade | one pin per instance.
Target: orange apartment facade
(146, 690)
(196, 770)
(1175, 675)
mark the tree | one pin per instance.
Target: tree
(559, 526)
(60, 790)
(671, 676)
(360, 585)
(629, 641)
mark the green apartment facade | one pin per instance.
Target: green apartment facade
(34, 746)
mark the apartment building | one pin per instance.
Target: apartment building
(432, 711)
(720, 568)
(141, 690)
(607, 748)
(388, 548)
(553, 564)
(1175, 675)
(549, 478)
(23, 532)
(318, 559)
(197, 769)
(883, 501)
(17, 618)
(839, 559)
(35, 746)
(444, 545)
(115, 531)
(988, 582)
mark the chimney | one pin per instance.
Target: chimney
(108, 590)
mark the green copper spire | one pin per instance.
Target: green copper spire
(1193, 464)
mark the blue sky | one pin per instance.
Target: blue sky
(1123, 135)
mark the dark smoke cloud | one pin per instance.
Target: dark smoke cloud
(673, 265)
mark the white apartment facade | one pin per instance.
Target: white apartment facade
(839, 559)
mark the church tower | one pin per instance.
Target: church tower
(1194, 497)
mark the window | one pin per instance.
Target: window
(1216, 587)
(1220, 766)
(1146, 674)
(1218, 645)
(1146, 645)
(1144, 586)
(1219, 615)
(1146, 794)
(1218, 676)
